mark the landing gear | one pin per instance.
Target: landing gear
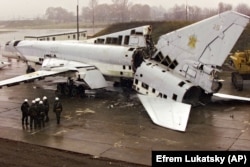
(30, 69)
(237, 81)
(69, 89)
(73, 91)
(127, 83)
(81, 91)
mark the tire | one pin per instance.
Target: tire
(67, 90)
(74, 91)
(237, 81)
(59, 88)
(81, 91)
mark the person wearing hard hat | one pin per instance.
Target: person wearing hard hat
(41, 114)
(33, 114)
(46, 108)
(57, 109)
(25, 112)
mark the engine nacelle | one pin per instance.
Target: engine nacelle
(153, 79)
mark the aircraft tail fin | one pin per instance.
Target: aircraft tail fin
(208, 41)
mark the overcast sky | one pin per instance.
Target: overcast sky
(17, 9)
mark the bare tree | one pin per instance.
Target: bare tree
(159, 13)
(59, 14)
(121, 9)
(103, 13)
(243, 8)
(222, 7)
(86, 14)
(178, 12)
(139, 12)
(93, 4)
(194, 13)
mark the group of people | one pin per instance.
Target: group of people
(37, 113)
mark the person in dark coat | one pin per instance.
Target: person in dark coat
(46, 108)
(25, 112)
(57, 109)
(41, 114)
(33, 114)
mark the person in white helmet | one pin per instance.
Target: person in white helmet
(57, 109)
(46, 108)
(33, 114)
(41, 114)
(25, 112)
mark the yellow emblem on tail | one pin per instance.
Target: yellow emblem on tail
(192, 41)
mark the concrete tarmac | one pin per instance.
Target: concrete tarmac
(113, 125)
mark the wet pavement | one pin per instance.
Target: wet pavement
(113, 125)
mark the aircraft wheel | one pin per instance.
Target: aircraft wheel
(74, 91)
(237, 81)
(67, 90)
(81, 91)
(60, 87)
(30, 69)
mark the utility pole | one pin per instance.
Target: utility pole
(186, 11)
(77, 19)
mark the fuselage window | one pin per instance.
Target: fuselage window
(144, 85)
(119, 40)
(166, 61)
(174, 97)
(124, 67)
(108, 40)
(174, 64)
(181, 83)
(136, 81)
(131, 49)
(159, 57)
(100, 40)
(159, 95)
(165, 96)
(126, 40)
(153, 90)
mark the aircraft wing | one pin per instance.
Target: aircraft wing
(28, 77)
(91, 75)
(166, 113)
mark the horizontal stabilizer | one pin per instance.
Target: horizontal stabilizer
(232, 97)
(166, 113)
